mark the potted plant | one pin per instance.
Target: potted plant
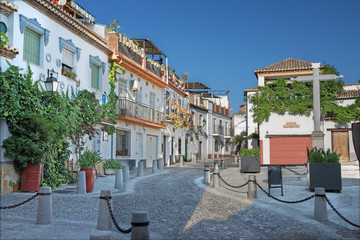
(15, 185)
(250, 160)
(111, 165)
(88, 161)
(29, 146)
(323, 170)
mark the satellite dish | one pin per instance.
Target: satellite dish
(62, 2)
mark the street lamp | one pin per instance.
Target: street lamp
(51, 83)
(203, 122)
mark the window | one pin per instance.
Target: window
(216, 145)
(32, 46)
(69, 51)
(179, 146)
(97, 70)
(34, 36)
(122, 143)
(95, 76)
(96, 142)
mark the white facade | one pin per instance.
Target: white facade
(55, 41)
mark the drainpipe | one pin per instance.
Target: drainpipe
(112, 146)
(166, 69)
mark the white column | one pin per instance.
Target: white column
(261, 81)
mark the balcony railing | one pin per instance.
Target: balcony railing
(218, 129)
(141, 111)
(153, 69)
(129, 53)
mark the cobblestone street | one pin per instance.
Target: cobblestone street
(181, 207)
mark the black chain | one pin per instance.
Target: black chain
(22, 203)
(232, 185)
(341, 216)
(114, 220)
(283, 201)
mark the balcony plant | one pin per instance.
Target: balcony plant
(250, 160)
(69, 74)
(324, 170)
(111, 165)
(87, 162)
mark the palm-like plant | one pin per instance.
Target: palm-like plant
(89, 159)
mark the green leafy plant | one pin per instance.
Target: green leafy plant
(297, 99)
(71, 75)
(112, 164)
(253, 136)
(11, 183)
(113, 26)
(255, 152)
(318, 155)
(3, 39)
(30, 141)
(89, 159)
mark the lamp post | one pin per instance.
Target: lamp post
(51, 83)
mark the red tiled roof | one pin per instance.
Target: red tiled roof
(288, 64)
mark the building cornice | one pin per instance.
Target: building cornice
(176, 89)
(62, 17)
(137, 69)
(7, 8)
(9, 52)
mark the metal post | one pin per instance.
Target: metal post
(251, 194)
(44, 211)
(320, 211)
(104, 220)
(160, 164)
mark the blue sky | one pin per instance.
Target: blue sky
(221, 43)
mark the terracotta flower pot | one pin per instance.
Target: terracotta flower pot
(89, 175)
(31, 177)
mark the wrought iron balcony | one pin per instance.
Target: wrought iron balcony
(140, 111)
(218, 130)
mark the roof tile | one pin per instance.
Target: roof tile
(288, 64)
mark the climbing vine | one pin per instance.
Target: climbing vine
(297, 98)
(179, 116)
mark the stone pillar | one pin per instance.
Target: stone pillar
(160, 164)
(81, 184)
(140, 226)
(317, 139)
(216, 180)
(44, 211)
(154, 167)
(126, 174)
(119, 183)
(320, 211)
(252, 188)
(104, 219)
(140, 169)
(206, 174)
(222, 164)
(181, 160)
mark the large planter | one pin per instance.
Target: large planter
(356, 138)
(31, 177)
(324, 175)
(250, 164)
(89, 175)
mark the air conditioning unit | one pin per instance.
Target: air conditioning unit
(135, 86)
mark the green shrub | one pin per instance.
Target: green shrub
(112, 164)
(89, 159)
(255, 152)
(316, 155)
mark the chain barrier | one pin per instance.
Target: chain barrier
(341, 216)
(113, 217)
(283, 201)
(232, 185)
(22, 203)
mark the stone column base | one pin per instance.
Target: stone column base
(317, 139)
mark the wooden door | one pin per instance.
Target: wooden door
(340, 144)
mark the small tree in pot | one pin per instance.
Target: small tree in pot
(87, 162)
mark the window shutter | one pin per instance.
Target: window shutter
(67, 57)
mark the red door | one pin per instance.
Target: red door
(289, 150)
